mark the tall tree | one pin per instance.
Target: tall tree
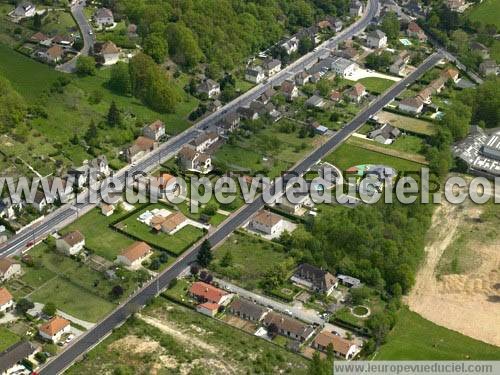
(390, 25)
(155, 46)
(205, 255)
(119, 80)
(114, 116)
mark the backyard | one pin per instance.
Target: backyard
(7, 338)
(410, 124)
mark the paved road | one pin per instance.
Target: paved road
(77, 10)
(69, 212)
(302, 313)
(117, 317)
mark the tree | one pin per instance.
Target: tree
(227, 259)
(37, 21)
(119, 80)
(272, 330)
(182, 45)
(205, 255)
(319, 366)
(155, 46)
(378, 61)
(85, 65)
(390, 25)
(379, 325)
(114, 116)
(194, 270)
(49, 309)
(24, 305)
(306, 45)
(116, 292)
(91, 134)
(359, 295)
(12, 106)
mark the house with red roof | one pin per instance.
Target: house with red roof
(204, 292)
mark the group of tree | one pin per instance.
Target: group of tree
(145, 80)
(390, 25)
(85, 66)
(377, 61)
(12, 106)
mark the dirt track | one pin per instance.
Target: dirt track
(468, 303)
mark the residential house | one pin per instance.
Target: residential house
(349, 281)
(342, 348)
(11, 358)
(40, 201)
(291, 45)
(7, 207)
(54, 329)
(107, 53)
(288, 327)
(41, 38)
(355, 8)
(349, 53)
(204, 141)
(204, 292)
(290, 90)
(415, 31)
(488, 67)
(356, 92)
(230, 123)
(99, 166)
(450, 74)
(480, 49)
(295, 207)
(247, 310)
(335, 96)
(8, 269)
(318, 128)
(210, 88)
(255, 74)
(332, 23)
(53, 54)
(6, 300)
(103, 17)
(267, 222)
(267, 96)
(134, 255)
(344, 67)
(376, 39)
(385, 134)
(248, 113)
(208, 308)
(174, 222)
(132, 31)
(438, 84)
(315, 279)
(64, 41)
(193, 160)
(315, 101)
(71, 243)
(24, 10)
(412, 105)
(455, 5)
(155, 130)
(107, 209)
(271, 67)
(302, 78)
(398, 67)
(165, 184)
(139, 148)
(426, 94)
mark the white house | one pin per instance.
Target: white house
(267, 222)
(344, 67)
(208, 308)
(134, 255)
(255, 74)
(40, 201)
(289, 89)
(54, 329)
(210, 88)
(413, 105)
(107, 209)
(291, 45)
(204, 141)
(103, 17)
(376, 39)
(6, 300)
(193, 160)
(71, 243)
(271, 67)
(355, 8)
(8, 269)
(24, 10)
(108, 53)
(342, 348)
(155, 130)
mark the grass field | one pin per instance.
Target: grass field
(252, 258)
(185, 342)
(414, 338)
(410, 124)
(175, 243)
(487, 12)
(348, 155)
(7, 338)
(101, 239)
(402, 148)
(376, 85)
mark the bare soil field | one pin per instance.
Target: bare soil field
(469, 301)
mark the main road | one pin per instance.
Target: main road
(69, 212)
(152, 288)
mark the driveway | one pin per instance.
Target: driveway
(77, 10)
(299, 312)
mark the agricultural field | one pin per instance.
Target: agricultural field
(252, 257)
(414, 338)
(486, 12)
(158, 337)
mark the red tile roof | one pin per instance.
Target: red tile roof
(54, 325)
(207, 292)
(5, 296)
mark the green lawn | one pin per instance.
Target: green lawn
(101, 239)
(376, 85)
(348, 155)
(410, 124)
(176, 243)
(73, 300)
(414, 338)
(487, 12)
(252, 258)
(7, 338)
(58, 22)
